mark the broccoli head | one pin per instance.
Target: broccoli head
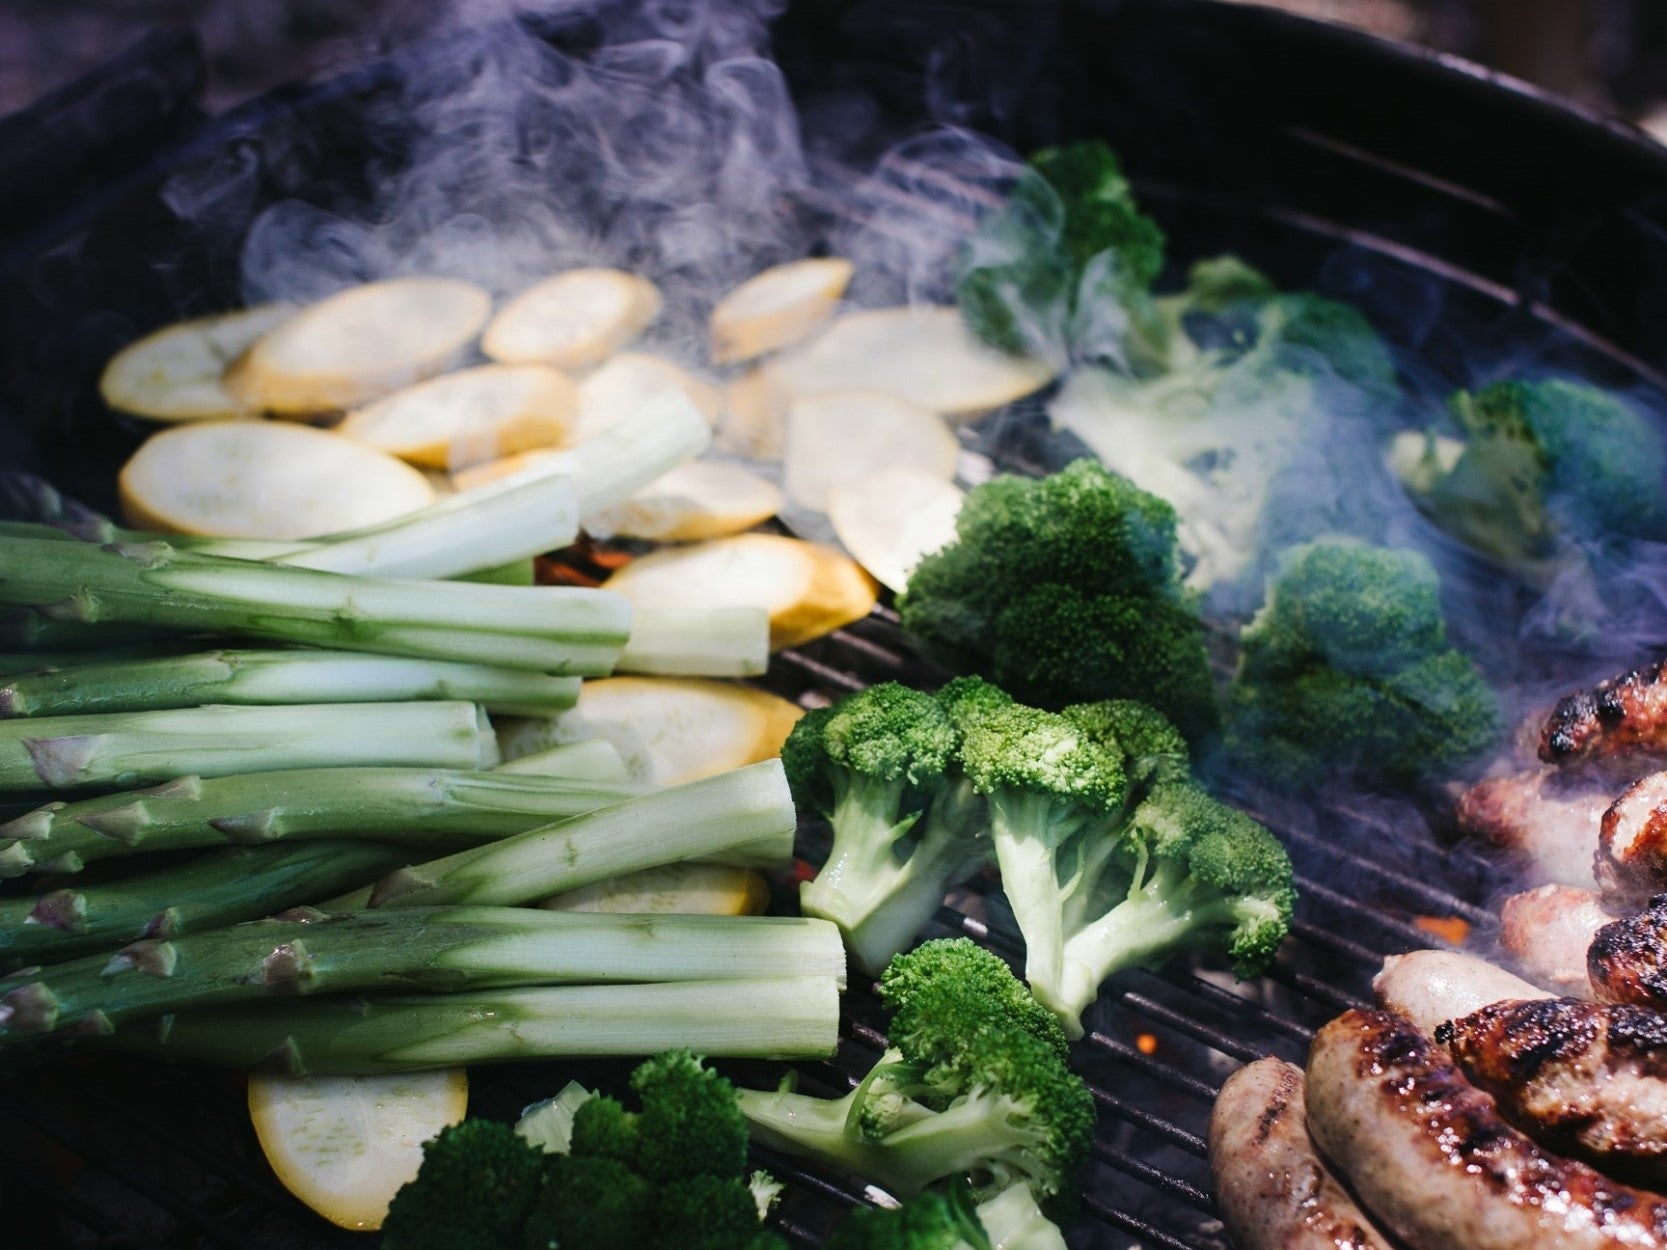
(1065, 267)
(604, 1128)
(706, 1212)
(689, 1124)
(880, 765)
(1079, 569)
(928, 1221)
(1153, 748)
(967, 1091)
(1536, 466)
(1346, 674)
(589, 1201)
(476, 1185)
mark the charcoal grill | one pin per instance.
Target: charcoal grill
(1479, 223)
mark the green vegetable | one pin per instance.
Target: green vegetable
(1064, 268)
(1537, 465)
(967, 1090)
(134, 748)
(99, 684)
(1065, 590)
(441, 949)
(766, 1019)
(1346, 674)
(205, 892)
(414, 805)
(1110, 856)
(927, 1221)
(882, 766)
(742, 817)
(549, 629)
(477, 1184)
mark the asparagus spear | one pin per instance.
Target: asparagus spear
(438, 949)
(136, 748)
(416, 805)
(778, 1019)
(743, 817)
(697, 642)
(593, 759)
(205, 892)
(269, 677)
(549, 629)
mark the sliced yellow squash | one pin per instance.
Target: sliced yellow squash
(779, 307)
(345, 1144)
(892, 519)
(686, 889)
(573, 320)
(698, 499)
(842, 436)
(807, 588)
(173, 374)
(264, 479)
(357, 345)
(628, 381)
(470, 416)
(668, 729)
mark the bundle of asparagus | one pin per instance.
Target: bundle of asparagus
(175, 788)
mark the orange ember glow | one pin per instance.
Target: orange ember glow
(1447, 928)
(1146, 1044)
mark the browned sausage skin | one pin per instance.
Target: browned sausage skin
(1586, 1079)
(1430, 1157)
(1549, 819)
(1621, 716)
(1271, 1188)
(1631, 860)
(1547, 933)
(1627, 961)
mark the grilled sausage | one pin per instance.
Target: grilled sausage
(1271, 1188)
(1547, 932)
(1586, 1079)
(1627, 962)
(1550, 819)
(1624, 715)
(1431, 987)
(1631, 860)
(1430, 1157)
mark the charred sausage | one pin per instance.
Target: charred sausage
(1627, 961)
(1624, 715)
(1549, 819)
(1272, 1190)
(1547, 933)
(1631, 860)
(1431, 1158)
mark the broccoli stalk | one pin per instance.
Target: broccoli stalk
(878, 766)
(1110, 857)
(975, 1086)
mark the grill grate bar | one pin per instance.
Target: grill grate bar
(1329, 941)
(1409, 933)
(1172, 1133)
(1314, 988)
(1186, 1025)
(1156, 1177)
(1147, 1066)
(1430, 896)
(1239, 1005)
(112, 1165)
(1137, 1227)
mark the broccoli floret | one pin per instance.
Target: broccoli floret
(1065, 267)
(909, 988)
(880, 765)
(1153, 748)
(706, 1212)
(1079, 568)
(1538, 466)
(928, 1221)
(474, 1189)
(1346, 674)
(588, 1202)
(1261, 393)
(964, 1092)
(1097, 887)
(690, 1124)
(604, 1128)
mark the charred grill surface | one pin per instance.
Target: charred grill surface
(1624, 715)
(1585, 1079)
(1431, 1157)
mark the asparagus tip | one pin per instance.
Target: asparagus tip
(63, 761)
(288, 969)
(15, 859)
(188, 787)
(164, 924)
(147, 955)
(126, 824)
(400, 882)
(61, 909)
(11, 702)
(30, 1008)
(32, 825)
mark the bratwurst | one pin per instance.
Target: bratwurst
(1429, 1155)
(1271, 1188)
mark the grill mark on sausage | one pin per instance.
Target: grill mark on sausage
(1618, 716)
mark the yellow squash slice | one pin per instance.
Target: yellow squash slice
(345, 1144)
(808, 589)
(844, 436)
(777, 308)
(470, 416)
(358, 345)
(264, 479)
(629, 381)
(889, 521)
(173, 374)
(698, 499)
(668, 729)
(573, 320)
(686, 889)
